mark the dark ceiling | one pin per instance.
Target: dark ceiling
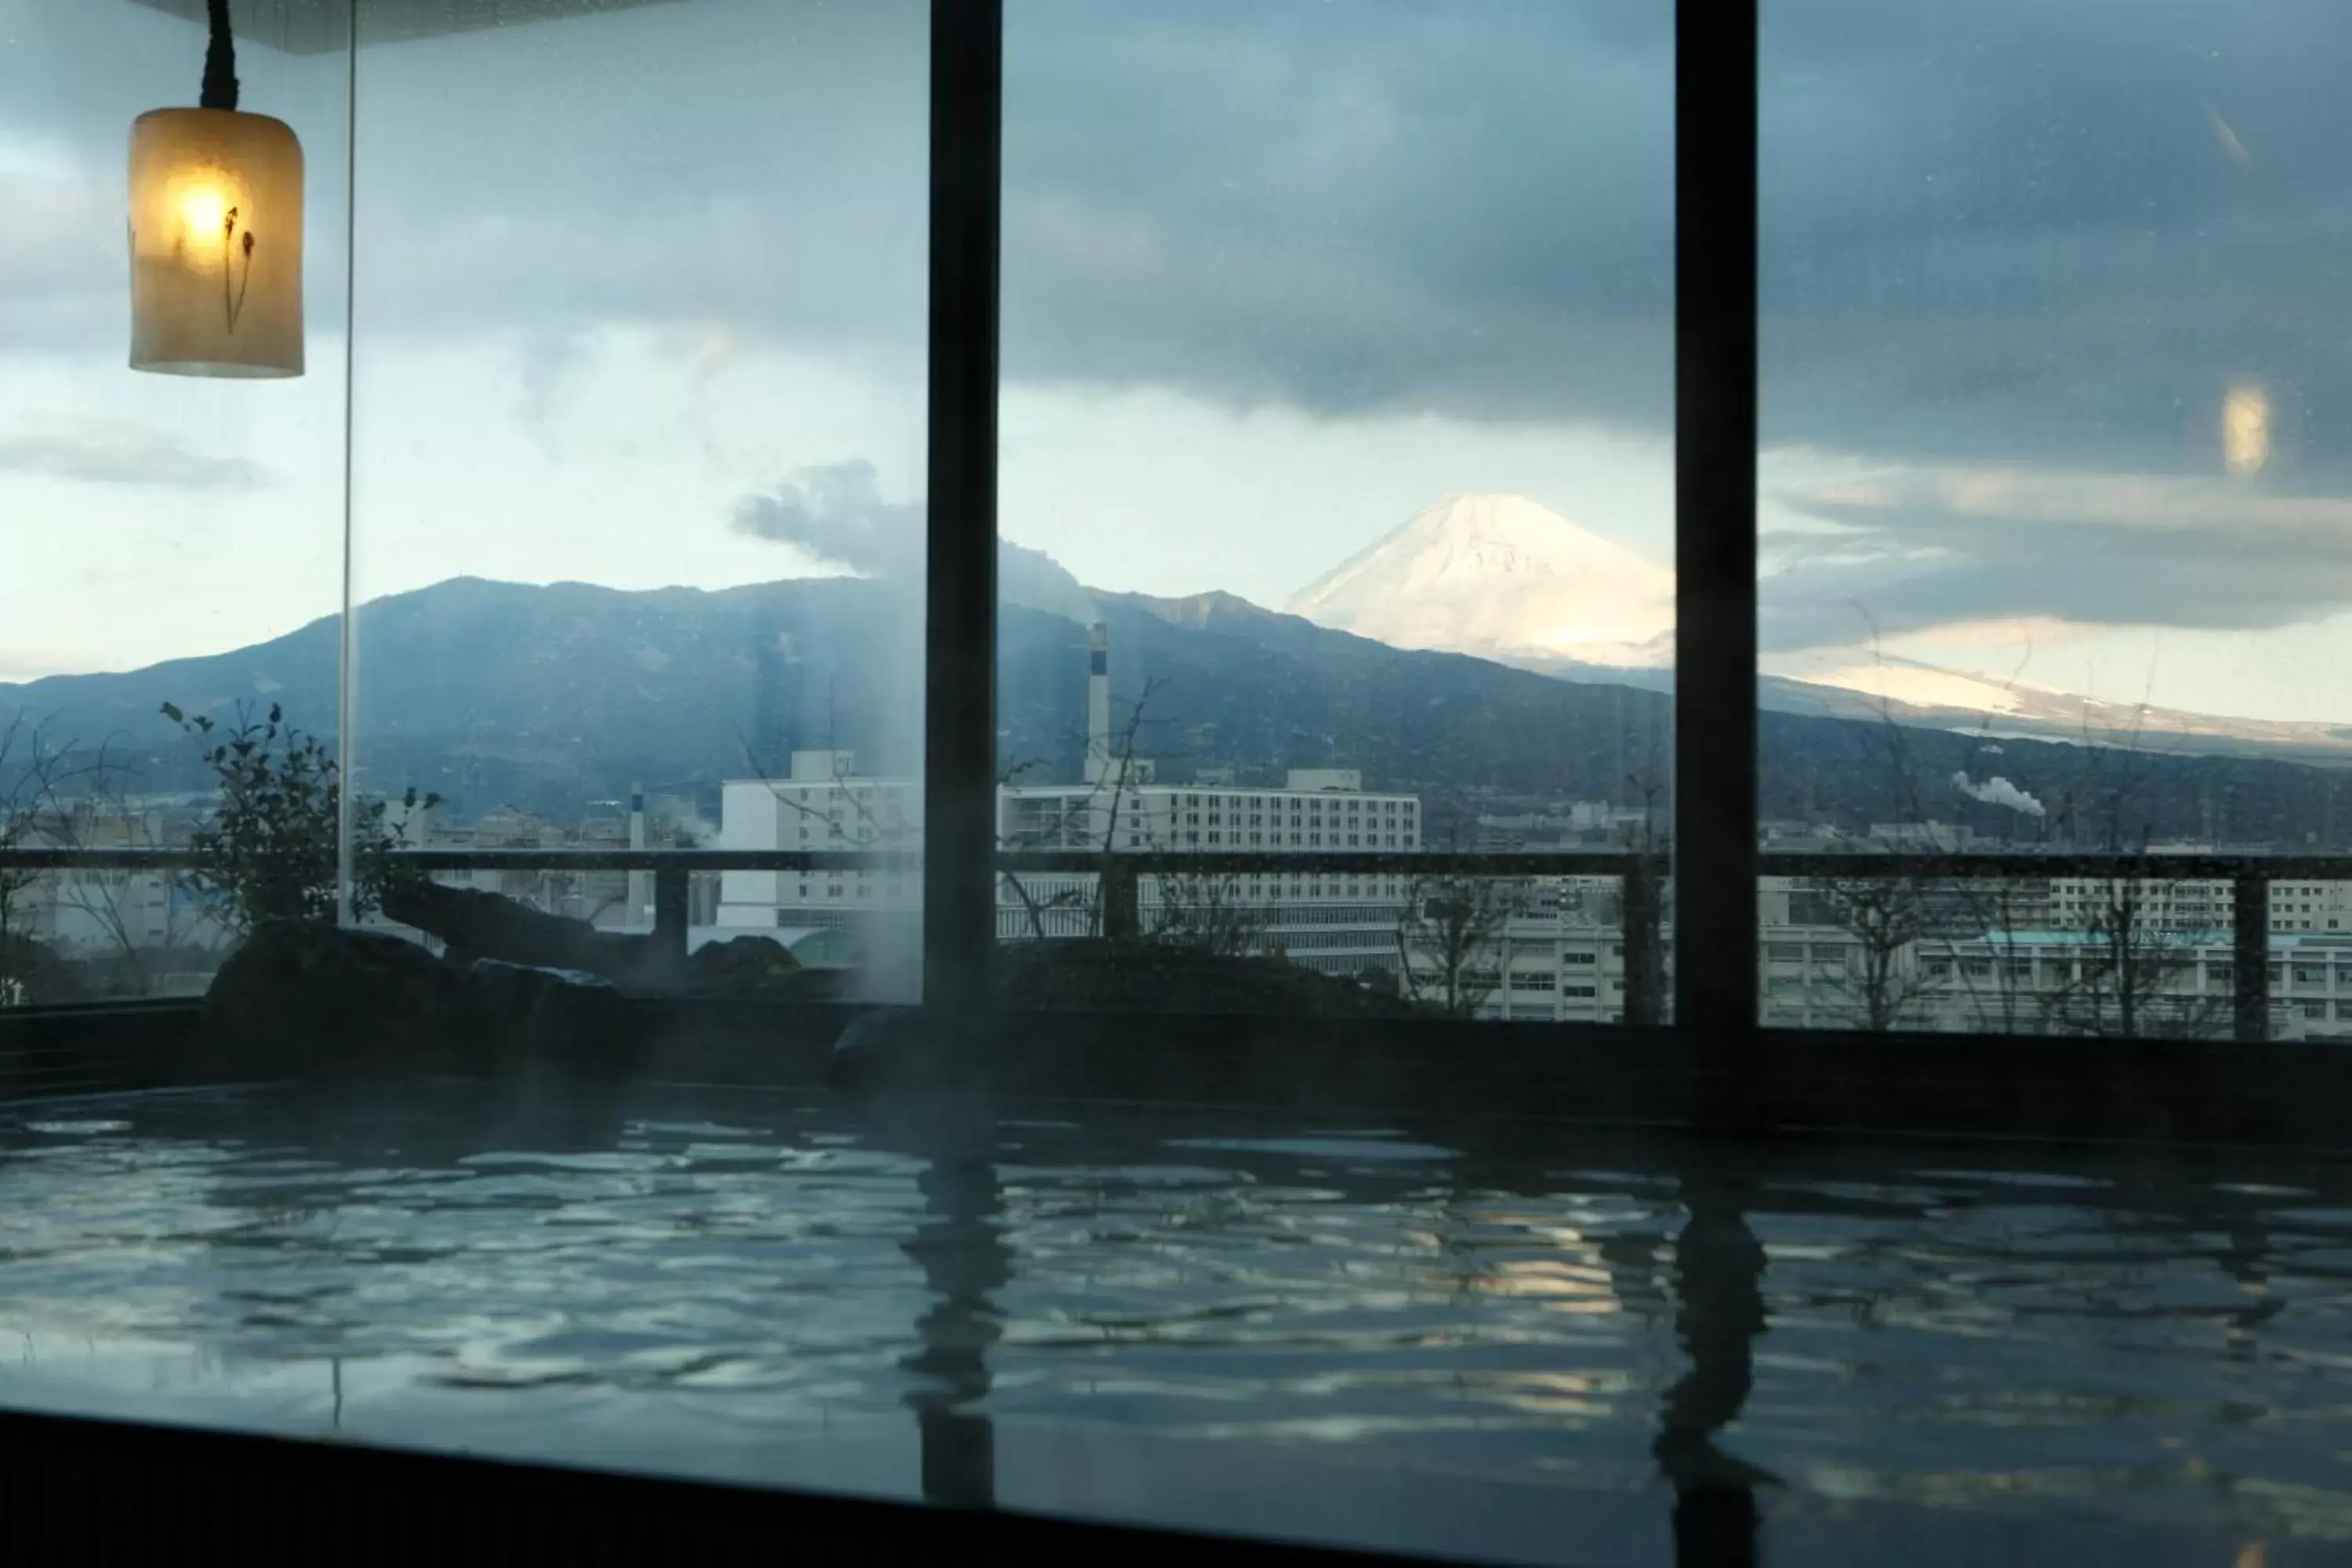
(320, 27)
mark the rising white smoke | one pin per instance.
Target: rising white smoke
(1998, 792)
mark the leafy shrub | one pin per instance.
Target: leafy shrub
(268, 847)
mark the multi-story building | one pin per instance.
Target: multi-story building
(2195, 904)
(1556, 954)
(1543, 965)
(823, 803)
(2018, 981)
(145, 932)
(1338, 925)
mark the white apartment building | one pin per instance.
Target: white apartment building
(821, 805)
(2062, 982)
(156, 923)
(2204, 904)
(1341, 925)
(1546, 968)
(1557, 958)
(1336, 924)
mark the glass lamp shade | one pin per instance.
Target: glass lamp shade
(215, 244)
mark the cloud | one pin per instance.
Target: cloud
(835, 513)
(1930, 548)
(112, 452)
(1256, 203)
(2004, 232)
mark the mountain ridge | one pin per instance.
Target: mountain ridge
(546, 696)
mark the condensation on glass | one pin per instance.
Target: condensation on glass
(638, 489)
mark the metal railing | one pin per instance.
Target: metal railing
(1642, 876)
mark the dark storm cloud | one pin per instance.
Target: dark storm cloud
(1463, 208)
(2009, 230)
(1997, 230)
(1938, 547)
(2002, 230)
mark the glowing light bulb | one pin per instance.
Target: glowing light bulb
(203, 208)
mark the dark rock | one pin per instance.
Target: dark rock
(309, 999)
(753, 968)
(567, 1019)
(476, 924)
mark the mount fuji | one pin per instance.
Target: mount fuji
(1499, 576)
(1506, 578)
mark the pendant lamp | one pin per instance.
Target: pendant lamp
(215, 233)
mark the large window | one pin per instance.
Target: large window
(163, 543)
(1336, 502)
(637, 510)
(1361, 427)
(2051, 495)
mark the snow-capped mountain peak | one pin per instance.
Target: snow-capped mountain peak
(1500, 574)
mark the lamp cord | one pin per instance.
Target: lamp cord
(220, 60)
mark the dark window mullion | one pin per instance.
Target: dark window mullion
(1715, 527)
(960, 637)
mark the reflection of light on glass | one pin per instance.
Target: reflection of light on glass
(2232, 148)
(2246, 428)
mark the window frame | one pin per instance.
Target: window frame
(1715, 1057)
(1715, 360)
(1713, 1064)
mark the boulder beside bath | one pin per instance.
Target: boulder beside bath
(306, 999)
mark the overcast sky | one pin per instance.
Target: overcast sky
(641, 298)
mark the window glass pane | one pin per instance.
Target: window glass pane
(169, 539)
(1337, 348)
(638, 475)
(2053, 491)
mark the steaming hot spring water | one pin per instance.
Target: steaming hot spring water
(1507, 1351)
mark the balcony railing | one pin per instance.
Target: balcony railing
(1642, 876)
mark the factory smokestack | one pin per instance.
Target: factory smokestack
(641, 883)
(1098, 703)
